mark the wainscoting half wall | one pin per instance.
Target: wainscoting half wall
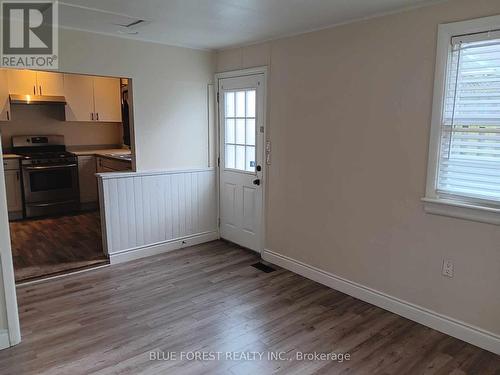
(146, 213)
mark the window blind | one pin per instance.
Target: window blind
(469, 156)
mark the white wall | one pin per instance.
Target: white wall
(47, 120)
(349, 121)
(170, 93)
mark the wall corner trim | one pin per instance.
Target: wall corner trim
(458, 329)
(4, 339)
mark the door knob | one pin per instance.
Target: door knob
(256, 182)
(259, 168)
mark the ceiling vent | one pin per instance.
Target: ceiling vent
(131, 28)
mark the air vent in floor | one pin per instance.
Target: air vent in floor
(263, 267)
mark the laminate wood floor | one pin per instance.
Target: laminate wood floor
(55, 245)
(209, 298)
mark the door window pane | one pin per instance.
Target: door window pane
(229, 104)
(230, 131)
(240, 130)
(240, 157)
(250, 132)
(230, 156)
(240, 104)
(250, 159)
(250, 103)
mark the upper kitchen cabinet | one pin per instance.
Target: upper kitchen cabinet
(4, 97)
(107, 99)
(79, 92)
(22, 82)
(92, 98)
(51, 84)
(29, 82)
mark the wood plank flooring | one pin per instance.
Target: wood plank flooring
(55, 245)
(209, 298)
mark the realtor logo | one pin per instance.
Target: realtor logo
(29, 34)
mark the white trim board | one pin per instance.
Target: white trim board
(162, 247)
(4, 339)
(461, 330)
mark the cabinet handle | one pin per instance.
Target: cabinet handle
(17, 175)
(97, 116)
(41, 90)
(8, 116)
(92, 116)
(34, 90)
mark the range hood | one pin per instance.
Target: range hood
(36, 99)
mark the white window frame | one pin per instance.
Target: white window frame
(433, 202)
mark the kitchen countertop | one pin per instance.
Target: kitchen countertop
(11, 156)
(107, 153)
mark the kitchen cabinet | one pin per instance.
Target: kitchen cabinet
(49, 83)
(13, 188)
(30, 82)
(92, 98)
(112, 165)
(22, 82)
(79, 93)
(4, 97)
(107, 99)
(87, 179)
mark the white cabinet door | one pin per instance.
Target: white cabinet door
(79, 92)
(87, 179)
(4, 97)
(13, 188)
(22, 82)
(107, 99)
(50, 83)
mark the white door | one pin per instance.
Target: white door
(241, 114)
(107, 99)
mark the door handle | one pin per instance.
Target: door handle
(256, 182)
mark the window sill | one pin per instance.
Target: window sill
(450, 208)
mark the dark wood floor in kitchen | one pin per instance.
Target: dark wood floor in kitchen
(209, 298)
(56, 245)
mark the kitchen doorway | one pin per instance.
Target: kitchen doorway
(58, 131)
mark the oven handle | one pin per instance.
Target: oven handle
(49, 204)
(50, 167)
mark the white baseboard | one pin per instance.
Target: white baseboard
(162, 247)
(461, 330)
(4, 339)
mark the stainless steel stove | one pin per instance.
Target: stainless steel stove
(50, 175)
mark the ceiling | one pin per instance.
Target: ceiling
(218, 24)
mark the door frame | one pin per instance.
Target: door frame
(236, 74)
(7, 267)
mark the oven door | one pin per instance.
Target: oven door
(50, 184)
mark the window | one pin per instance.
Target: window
(464, 162)
(239, 120)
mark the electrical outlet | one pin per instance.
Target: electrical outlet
(447, 268)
